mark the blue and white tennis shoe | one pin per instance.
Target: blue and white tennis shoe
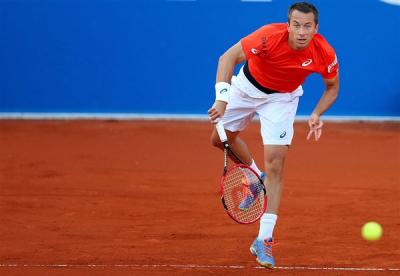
(262, 249)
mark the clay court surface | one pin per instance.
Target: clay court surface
(142, 198)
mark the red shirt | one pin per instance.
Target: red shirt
(275, 65)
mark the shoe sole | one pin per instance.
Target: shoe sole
(266, 265)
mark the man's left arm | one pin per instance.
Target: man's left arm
(328, 97)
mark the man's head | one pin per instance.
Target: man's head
(302, 24)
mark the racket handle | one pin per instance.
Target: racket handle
(221, 132)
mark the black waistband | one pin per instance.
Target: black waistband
(264, 89)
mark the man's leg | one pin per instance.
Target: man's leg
(277, 132)
(274, 158)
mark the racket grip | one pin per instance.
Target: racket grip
(221, 132)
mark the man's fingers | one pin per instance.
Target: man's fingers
(213, 115)
(309, 134)
(315, 125)
(211, 110)
(319, 133)
(213, 118)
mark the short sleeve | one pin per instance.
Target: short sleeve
(331, 67)
(255, 43)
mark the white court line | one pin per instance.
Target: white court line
(149, 116)
(195, 266)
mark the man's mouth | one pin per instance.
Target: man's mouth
(301, 40)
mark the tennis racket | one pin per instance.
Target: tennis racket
(243, 193)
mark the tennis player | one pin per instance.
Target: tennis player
(278, 57)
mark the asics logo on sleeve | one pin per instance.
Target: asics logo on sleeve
(307, 62)
(283, 134)
(330, 66)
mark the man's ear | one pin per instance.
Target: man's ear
(316, 29)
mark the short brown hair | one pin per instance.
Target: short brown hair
(304, 7)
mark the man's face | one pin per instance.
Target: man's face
(301, 29)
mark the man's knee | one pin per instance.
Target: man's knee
(274, 157)
(274, 166)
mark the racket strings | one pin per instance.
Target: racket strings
(243, 194)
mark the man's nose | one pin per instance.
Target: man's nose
(302, 31)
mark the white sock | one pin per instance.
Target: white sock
(254, 167)
(267, 224)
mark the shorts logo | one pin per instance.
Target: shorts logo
(283, 134)
(254, 51)
(307, 62)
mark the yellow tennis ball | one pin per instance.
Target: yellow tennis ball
(371, 231)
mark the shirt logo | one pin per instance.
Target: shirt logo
(307, 62)
(283, 134)
(254, 51)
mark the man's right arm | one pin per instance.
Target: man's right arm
(226, 65)
(228, 61)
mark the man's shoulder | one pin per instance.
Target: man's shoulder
(275, 27)
(274, 31)
(323, 45)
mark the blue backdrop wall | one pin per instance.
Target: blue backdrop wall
(158, 56)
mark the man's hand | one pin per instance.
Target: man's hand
(315, 125)
(216, 111)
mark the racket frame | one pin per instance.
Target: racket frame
(224, 140)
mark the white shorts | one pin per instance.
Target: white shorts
(276, 111)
